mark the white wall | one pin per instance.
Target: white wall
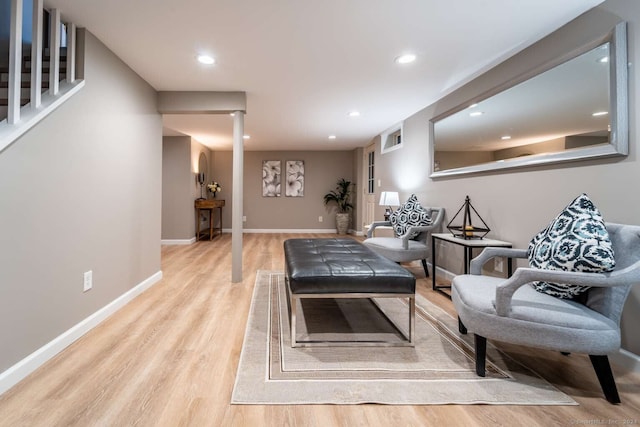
(80, 191)
(519, 203)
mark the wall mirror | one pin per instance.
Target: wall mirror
(573, 109)
(203, 166)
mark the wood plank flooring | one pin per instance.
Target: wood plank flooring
(169, 358)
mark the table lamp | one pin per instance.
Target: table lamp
(388, 199)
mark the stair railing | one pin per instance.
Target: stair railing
(22, 113)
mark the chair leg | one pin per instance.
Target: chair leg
(605, 376)
(424, 265)
(481, 355)
(461, 328)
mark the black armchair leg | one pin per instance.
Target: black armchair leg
(461, 328)
(424, 265)
(605, 376)
(481, 355)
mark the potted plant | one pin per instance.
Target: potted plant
(341, 197)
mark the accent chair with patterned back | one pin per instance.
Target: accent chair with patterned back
(512, 310)
(412, 225)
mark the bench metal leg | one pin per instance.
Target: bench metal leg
(292, 320)
(410, 336)
(412, 320)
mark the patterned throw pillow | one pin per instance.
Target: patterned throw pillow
(576, 240)
(408, 214)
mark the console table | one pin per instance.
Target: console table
(468, 245)
(208, 205)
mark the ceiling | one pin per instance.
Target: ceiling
(306, 64)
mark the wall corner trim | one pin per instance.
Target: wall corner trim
(26, 366)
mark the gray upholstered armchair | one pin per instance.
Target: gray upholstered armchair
(404, 248)
(510, 310)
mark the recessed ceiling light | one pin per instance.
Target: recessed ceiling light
(604, 59)
(600, 113)
(354, 113)
(406, 59)
(232, 114)
(332, 137)
(206, 59)
(473, 106)
(246, 136)
(476, 113)
(505, 137)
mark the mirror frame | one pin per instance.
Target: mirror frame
(619, 113)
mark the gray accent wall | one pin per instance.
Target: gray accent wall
(177, 197)
(180, 155)
(322, 171)
(517, 204)
(80, 191)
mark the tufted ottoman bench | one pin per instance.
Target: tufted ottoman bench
(343, 268)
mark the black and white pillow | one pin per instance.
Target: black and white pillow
(576, 240)
(410, 213)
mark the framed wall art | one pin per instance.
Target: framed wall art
(271, 178)
(294, 175)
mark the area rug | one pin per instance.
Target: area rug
(440, 369)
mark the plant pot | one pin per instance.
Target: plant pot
(342, 222)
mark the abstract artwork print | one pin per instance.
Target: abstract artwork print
(271, 178)
(294, 178)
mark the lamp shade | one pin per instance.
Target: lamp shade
(389, 198)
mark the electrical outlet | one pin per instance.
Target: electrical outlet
(88, 281)
(498, 265)
(244, 219)
(320, 219)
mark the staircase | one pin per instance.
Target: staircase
(17, 116)
(25, 91)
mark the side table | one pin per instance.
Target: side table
(468, 245)
(208, 205)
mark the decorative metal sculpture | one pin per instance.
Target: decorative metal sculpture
(468, 230)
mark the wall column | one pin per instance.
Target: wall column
(237, 205)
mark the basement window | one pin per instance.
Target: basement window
(391, 139)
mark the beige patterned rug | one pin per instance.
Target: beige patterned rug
(438, 370)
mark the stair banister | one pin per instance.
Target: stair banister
(36, 54)
(15, 62)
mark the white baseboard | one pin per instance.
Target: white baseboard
(178, 241)
(20, 370)
(626, 360)
(442, 272)
(278, 230)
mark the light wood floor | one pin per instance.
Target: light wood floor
(169, 358)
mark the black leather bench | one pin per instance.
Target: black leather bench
(343, 268)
